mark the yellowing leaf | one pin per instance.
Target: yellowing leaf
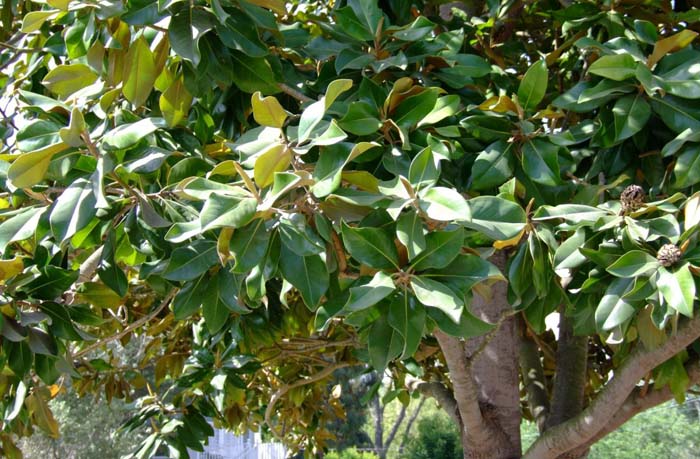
(275, 159)
(222, 245)
(499, 104)
(268, 111)
(363, 180)
(99, 295)
(41, 414)
(500, 245)
(10, 268)
(671, 44)
(64, 80)
(175, 103)
(140, 72)
(30, 168)
(71, 134)
(34, 20)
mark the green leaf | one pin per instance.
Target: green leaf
(310, 117)
(186, 28)
(368, 12)
(424, 169)
(253, 74)
(574, 213)
(190, 298)
(140, 71)
(19, 227)
(360, 119)
(221, 211)
(407, 316)
(469, 326)
(366, 296)
(126, 135)
(632, 264)
(66, 79)
(19, 357)
(298, 236)
(413, 109)
(175, 102)
(238, 32)
(191, 261)
(631, 114)
(30, 168)
(444, 204)
(329, 168)
(373, 247)
(678, 288)
(409, 231)
(613, 309)
(493, 166)
(533, 85)
(617, 67)
(437, 295)
(72, 134)
(541, 162)
(687, 168)
(309, 275)
(442, 247)
(73, 210)
(248, 245)
(677, 114)
(497, 218)
(61, 324)
(465, 272)
(335, 89)
(51, 283)
(384, 343)
(214, 310)
(351, 25)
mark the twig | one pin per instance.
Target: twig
(298, 95)
(131, 327)
(287, 387)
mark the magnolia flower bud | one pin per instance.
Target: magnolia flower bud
(632, 198)
(668, 255)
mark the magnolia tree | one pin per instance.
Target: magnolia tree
(264, 192)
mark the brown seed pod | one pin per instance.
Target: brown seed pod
(668, 255)
(632, 198)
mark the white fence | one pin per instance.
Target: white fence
(225, 445)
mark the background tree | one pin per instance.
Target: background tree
(272, 191)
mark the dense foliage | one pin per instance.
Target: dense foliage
(271, 191)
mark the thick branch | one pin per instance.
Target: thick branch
(294, 93)
(444, 397)
(581, 429)
(570, 376)
(642, 399)
(533, 380)
(466, 391)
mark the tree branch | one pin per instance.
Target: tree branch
(395, 428)
(641, 400)
(581, 429)
(143, 320)
(466, 392)
(570, 377)
(442, 394)
(533, 381)
(298, 95)
(287, 387)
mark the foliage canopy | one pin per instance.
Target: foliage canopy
(273, 190)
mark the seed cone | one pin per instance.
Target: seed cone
(668, 255)
(632, 198)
